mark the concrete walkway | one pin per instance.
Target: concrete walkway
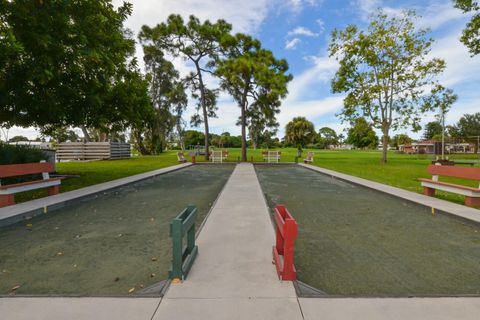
(233, 277)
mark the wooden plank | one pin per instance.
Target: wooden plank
(12, 170)
(452, 171)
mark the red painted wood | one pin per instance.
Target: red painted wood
(53, 190)
(13, 170)
(428, 191)
(286, 232)
(452, 171)
(6, 200)
(472, 201)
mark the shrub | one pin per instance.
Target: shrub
(13, 154)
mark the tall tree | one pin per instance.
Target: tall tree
(299, 132)
(261, 127)
(361, 134)
(400, 139)
(433, 128)
(468, 128)
(256, 80)
(471, 33)
(385, 72)
(327, 136)
(442, 103)
(66, 62)
(168, 96)
(199, 43)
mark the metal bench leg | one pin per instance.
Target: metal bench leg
(7, 200)
(53, 190)
(428, 191)
(472, 201)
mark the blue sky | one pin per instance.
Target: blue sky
(299, 30)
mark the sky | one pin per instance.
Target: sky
(299, 31)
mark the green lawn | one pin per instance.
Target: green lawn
(94, 172)
(401, 170)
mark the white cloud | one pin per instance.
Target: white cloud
(311, 109)
(321, 25)
(291, 44)
(302, 31)
(438, 14)
(297, 6)
(320, 73)
(461, 68)
(433, 15)
(152, 12)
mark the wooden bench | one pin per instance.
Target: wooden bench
(216, 156)
(271, 156)
(7, 192)
(181, 157)
(309, 158)
(472, 195)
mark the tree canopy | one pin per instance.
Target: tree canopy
(386, 72)
(471, 33)
(199, 43)
(299, 132)
(257, 82)
(432, 129)
(167, 93)
(68, 63)
(326, 137)
(361, 135)
(469, 125)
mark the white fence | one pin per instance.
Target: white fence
(82, 151)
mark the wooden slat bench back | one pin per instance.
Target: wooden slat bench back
(13, 170)
(457, 172)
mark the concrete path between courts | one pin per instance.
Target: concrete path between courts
(233, 276)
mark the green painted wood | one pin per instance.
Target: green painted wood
(183, 256)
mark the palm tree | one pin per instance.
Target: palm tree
(299, 132)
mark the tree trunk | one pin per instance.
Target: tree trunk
(204, 109)
(384, 147)
(244, 135)
(86, 136)
(141, 147)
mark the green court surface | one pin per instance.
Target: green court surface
(354, 241)
(109, 244)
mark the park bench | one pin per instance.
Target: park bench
(181, 157)
(271, 156)
(219, 155)
(216, 156)
(7, 192)
(472, 195)
(309, 158)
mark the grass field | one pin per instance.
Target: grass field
(401, 171)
